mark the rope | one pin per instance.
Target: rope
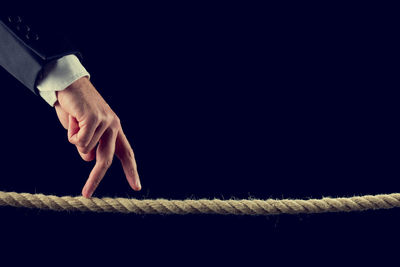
(204, 206)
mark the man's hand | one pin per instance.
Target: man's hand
(90, 121)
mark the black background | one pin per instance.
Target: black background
(217, 102)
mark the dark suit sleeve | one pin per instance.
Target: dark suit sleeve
(26, 46)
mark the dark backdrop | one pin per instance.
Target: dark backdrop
(217, 101)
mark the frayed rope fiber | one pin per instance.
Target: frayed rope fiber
(200, 206)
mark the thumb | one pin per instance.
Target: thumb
(73, 129)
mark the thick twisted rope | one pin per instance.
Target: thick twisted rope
(204, 206)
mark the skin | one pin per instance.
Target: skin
(96, 131)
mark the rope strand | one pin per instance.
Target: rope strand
(200, 206)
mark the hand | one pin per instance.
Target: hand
(90, 121)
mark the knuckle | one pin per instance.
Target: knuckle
(103, 117)
(96, 182)
(97, 120)
(130, 153)
(82, 142)
(109, 118)
(106, 164)
(84, 150)
(115, 123)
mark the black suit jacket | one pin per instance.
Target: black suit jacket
(27, 44)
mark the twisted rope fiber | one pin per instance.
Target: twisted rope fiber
(200, 206)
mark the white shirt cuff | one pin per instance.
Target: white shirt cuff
(58, 75)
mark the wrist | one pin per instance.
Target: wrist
(78, 83)
(75, 85)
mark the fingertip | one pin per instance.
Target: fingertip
(86, 194)
(134, 185)
(138, 184)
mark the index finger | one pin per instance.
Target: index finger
(104, 156)
(124, 152)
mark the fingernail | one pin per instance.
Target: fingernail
(138, 185)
